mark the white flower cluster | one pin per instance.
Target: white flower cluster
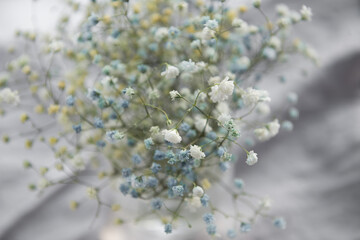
(195, 152)
(268, 131)
(171, 136)
(170, 72)
(10, 97)
(221, 92)
(252, 96)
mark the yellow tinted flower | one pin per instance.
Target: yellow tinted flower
(53, 141)
(53, 109)
(28, 144)
(39, 109)
(24, 117)
(206, 184)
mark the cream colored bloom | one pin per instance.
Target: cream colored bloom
(171, 136)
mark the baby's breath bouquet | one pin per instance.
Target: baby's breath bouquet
(152, 96)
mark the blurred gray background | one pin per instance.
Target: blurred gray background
(312, 174)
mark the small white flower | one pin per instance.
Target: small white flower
(193, 203)
(266, 203)
(275, 43)
(207, 33)
(200, 124)
(263, 108)
(198, 191)
(256, 3)
(262, 134)
(212, 24)
(195, 44)
(295, 16)
(161, 33)
(252, 96)
(170, 72)
(273, 127)
(282, 10)
(306, 13)
(238, 23)
(10, 97)
(214, 80)
(251, 158)
(91, 192)
(195, 152)
(221, 92)
(181, 6)
(223, 118)
(56, 46)
(243, 63)
(188, 66)
(171, 136)
(174, 94)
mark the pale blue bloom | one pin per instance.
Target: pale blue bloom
(205, 200)
(280, 223)
(208, 218)
(126, 172)
(156, 204)
(231, 233)
(211, 229)
(168, 228)
(155, 168)
(245, 227)
(178, 190)
(159, 155)
(98, 123)
(77, 128)
(70, 101)
(148, 143)
(239, 183)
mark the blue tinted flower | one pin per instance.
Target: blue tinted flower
(239, 183)
(269, 53)
(184, 127)
(156, 203)
(142, 68)
(159, 155)
(101, 143)
(208, 218)
(93, 94)
(178, 190)
(205, 200)
(124, 188)
(224, 166)
(98, 123)
(114, 136)
(211, 229)
(211, 135)
(155, 168)
(126, 172)
(136, 159)
(287, 125)
(294, 113)
(280, 223)
(245, 227)
(191, 133)
(93, 20)
(77, 128)
(231, 233)
(220, 151)
(168, 228)
(134, 193)
(171, 182)
(152, 182)
(174, 32)
(70, 101)
(125, 104)
(148, 143)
